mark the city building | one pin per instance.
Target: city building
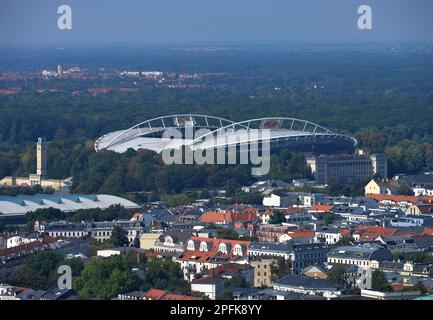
(148, 240)
(423, 189)
(383, 186)
(362, 256)
(102, 231)
(262, 270)
(330, 235)
(211, 287)
(172, 241)
(272, 232)
(419, 209)
(316, 272)
(229, 216)
(347, 168)
(307, 285)
(266, 185)
(154, 294)
(203, 254)
(301, 255)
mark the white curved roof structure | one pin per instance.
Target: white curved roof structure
(281, 131)
(146, 135)
(21, 204)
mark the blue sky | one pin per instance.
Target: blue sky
(29, 22)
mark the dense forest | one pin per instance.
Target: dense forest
(384, 98)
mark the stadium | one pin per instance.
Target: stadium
(295, 134)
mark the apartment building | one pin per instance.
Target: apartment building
(347, 168)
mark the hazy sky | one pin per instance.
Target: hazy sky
(148, 21)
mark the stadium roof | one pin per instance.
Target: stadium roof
(21, 204)
(282, 131)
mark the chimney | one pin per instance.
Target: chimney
(41, 157)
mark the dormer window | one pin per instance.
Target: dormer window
(168, 241)
(203, 246)
(237, 250)
(191, 245)
(222, 248)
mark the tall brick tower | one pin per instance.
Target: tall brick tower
(41, 157)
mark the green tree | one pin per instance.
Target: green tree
(227, 233)
(164, 274)
(280, 268)
(380, 282)
(225, 295)
(237, 281)
(337, 275)
(345, 241)
(119, 237)
(39, 271)
(105, 279)
(277, 217)
(328, 218)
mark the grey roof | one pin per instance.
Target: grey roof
(328, 229)
(55, 293)
(63, 225)
(423, 242)
(267, 246)
(348, 268)
(418, 179)
(361, 253)
(391, 265)
(177, 236)
(163, 215)
(286, 247)
(310, 246)
(308, 283)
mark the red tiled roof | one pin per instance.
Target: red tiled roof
(172, 296)
(154, 294)
(22, 248)
(267, 212)
(217, 242)
(198, 256)
(293, 210)
(321, 208)
(9, 91)
(228, 217)
(302, 234)
(345, 232)
(208, 280)
(400, 198)
(48, 239)
(371, 233)
(398, 287)
(427, 232)
(157, 294)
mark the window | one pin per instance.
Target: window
(203, 246)
(237, 250)
(191, 245)
(168, 240)
(222, 248)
